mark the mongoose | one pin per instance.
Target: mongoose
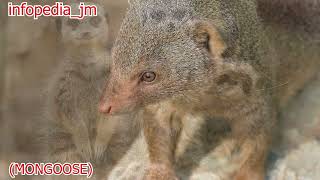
(76, 131)
(209, 58)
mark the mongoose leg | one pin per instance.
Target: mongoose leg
(253, 144)
(253, 158)
(161, 138)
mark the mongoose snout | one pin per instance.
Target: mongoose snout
(117, 99)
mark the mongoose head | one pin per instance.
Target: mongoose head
(86, 31)
(162, 53)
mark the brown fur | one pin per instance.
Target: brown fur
(292, 14)
(215, 59)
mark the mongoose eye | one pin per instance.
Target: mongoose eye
(148, 77)
(95, 21)
(73, 23)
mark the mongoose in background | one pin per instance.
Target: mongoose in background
(208, 58)
(76, 131)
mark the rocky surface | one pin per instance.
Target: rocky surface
(302, 163)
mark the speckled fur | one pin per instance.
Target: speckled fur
(212, 58)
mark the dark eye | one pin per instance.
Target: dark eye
(148, 77)
(74, 23)
(95, 21)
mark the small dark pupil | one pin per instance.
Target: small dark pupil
(148, 76)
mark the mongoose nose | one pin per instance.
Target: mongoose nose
(105, 109)
(109, 110)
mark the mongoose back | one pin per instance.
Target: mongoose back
(208, 58)
(76, 131)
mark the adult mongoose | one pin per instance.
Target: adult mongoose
(210, 58)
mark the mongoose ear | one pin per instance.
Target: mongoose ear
(236, 79)
(207, 36)
(234, 84)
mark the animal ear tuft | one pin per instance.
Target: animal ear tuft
(207, 36)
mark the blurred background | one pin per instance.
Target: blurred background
(28, 56)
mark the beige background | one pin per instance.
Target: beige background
(28, 56)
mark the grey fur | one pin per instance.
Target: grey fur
(77, 132)
(236, 78)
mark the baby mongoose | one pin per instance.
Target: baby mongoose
(210, 58)
(76, 131)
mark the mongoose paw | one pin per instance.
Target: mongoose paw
(159, 172)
